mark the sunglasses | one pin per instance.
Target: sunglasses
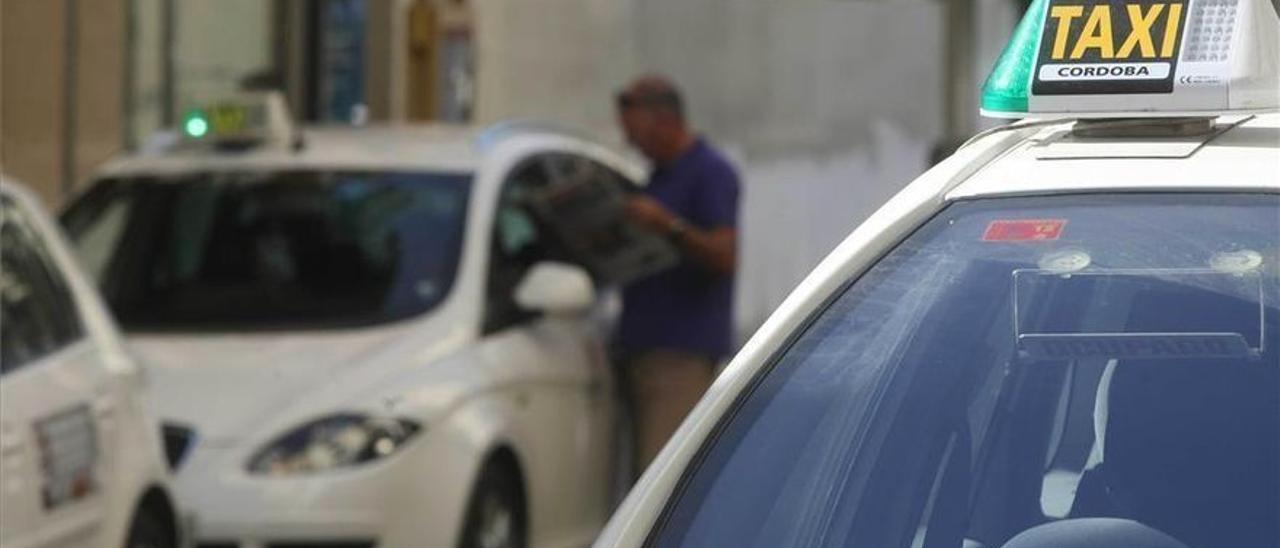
(625, 100)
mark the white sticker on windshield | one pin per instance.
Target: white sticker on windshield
(1236, 262)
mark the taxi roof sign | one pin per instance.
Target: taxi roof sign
(1138, 58)
(245, 119)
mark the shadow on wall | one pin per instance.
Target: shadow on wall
(796, 210)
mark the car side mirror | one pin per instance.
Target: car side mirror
(556, 288)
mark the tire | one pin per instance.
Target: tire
(496, 513)
(150, 530)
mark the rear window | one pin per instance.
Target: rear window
(1066, 371)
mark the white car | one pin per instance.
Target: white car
(1065, 335)
(375, 336)
(81, 458)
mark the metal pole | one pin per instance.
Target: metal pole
(70, 89)
(168, 74)
(130, 74)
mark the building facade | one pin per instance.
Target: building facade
(62, 66)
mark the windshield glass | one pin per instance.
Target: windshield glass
(284, 249)
(1066, 371)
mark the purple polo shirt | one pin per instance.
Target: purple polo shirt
(686, 307)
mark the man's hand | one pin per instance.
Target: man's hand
(715, 250)
(650, 213)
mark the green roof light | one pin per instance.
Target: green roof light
(1009, 84)
(195, 124)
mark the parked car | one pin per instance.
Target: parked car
(377, 338)
(81, 457)
(1067, 334)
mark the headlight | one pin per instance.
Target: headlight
(335, 441)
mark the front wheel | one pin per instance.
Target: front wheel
(495, 513)
(150, 531)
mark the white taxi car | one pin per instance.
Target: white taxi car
(379, 336)
(81, 459)
(1065, 335)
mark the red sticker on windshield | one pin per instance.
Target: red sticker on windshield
(1024, 230)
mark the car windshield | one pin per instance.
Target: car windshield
(1066, 371)
(271, 249)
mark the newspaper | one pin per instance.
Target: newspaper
(587, 214)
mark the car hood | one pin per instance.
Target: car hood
(230, 387)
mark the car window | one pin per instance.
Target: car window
(543, 215)
(518, 243)
(102, 237)
(229, 251)
(37, 312)
(1029, 368)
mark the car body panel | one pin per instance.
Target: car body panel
(229, 383)
(436, 148)
(1020, 172)
(67, 383)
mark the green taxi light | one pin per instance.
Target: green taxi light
(1008, 87)
(195, 125)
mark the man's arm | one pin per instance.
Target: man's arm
(716, 250)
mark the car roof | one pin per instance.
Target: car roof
(1244, 155)
(15, 190)
(441, 148)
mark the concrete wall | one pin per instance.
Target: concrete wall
(798, 208)
(995, 21)
(32, 101)
(217, 44)
(807, 76)
(552, 59)
(829, 107)
(803, 77)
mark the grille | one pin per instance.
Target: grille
(295, 544)
(323, 544)
(178, 440)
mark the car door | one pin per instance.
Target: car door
(565, 390)
(57, 428)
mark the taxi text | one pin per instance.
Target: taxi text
(1097, 34)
